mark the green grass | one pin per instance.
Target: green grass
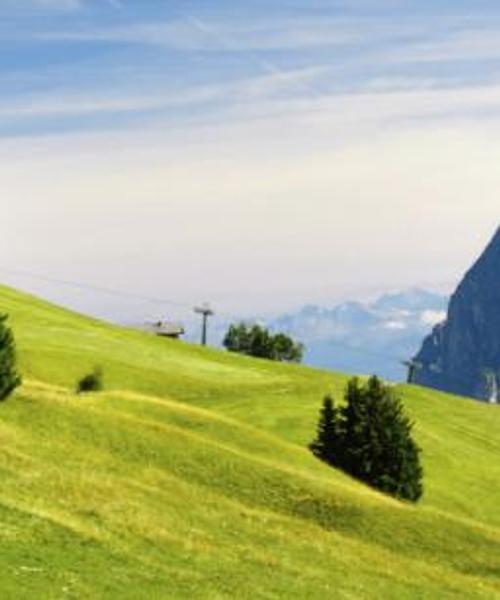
(190, 477)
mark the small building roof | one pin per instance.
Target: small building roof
(165, 328)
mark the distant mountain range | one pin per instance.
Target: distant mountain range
(354, 337)
(366, 338)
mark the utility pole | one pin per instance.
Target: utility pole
(205, 311)
(413, 366)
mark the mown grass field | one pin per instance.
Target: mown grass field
(189, 477)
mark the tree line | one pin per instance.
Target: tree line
(257, 341)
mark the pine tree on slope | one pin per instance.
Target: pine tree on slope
(9, 378)
(325, 445)
(370, 438)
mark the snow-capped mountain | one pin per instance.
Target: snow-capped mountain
(366, 338)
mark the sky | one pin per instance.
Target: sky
(256, 155)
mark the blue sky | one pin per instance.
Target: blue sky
(259, 154)
(77, 65)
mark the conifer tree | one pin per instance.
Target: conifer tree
(354, 419)
(378, 447)
(324, 446)
(396, 465)
(9, 378)
(370, 438)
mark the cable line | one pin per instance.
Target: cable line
(94, 288)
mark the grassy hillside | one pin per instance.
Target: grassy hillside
(189, 477)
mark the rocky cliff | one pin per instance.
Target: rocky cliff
(462, 355)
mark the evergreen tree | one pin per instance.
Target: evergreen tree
(396, 465)
(284, 348)
(9, 378)
(370, 438)
(353, 454)
(237, 339)
(325, 445)
(261, 343)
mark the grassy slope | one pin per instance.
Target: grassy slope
(189, 477)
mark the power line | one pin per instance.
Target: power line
(203, 310)
(187, 306)
(93, 288)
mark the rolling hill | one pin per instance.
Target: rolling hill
(189, 477)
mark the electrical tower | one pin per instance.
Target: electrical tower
(205, 311)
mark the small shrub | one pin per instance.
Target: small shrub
(91, 383)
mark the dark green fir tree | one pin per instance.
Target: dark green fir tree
(371, 438)
(9, 378)
(325, 445)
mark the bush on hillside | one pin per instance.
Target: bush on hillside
(93, 382)
(9, 377)
(259, 342)
(370, 437)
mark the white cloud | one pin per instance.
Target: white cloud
(324, 197)
(432, 317)
(411, 39)
(285, 95)
(395, 325)
(62, 5)
(470, 45)
(190, 32)
(63, 104)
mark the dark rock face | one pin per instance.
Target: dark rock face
(462, 355)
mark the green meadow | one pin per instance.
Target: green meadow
(189, 477)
